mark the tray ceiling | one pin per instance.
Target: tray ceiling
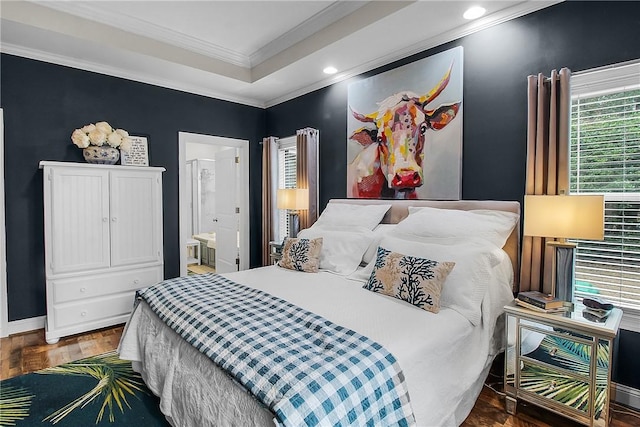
(257, 53)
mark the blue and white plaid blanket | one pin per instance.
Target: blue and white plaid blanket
(307, 370)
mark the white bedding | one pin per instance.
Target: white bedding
(443, 356)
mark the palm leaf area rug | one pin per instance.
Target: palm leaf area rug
(101, 390)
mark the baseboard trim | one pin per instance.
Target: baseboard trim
(25, 325)
(628, 396)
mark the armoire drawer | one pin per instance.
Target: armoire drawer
(78, 288)
(89, 311)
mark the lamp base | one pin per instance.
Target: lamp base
(564, 270)
(294, 224)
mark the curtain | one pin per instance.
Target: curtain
(307, 172)
(547, 165)
(269, 184)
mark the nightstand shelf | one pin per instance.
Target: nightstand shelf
(193, 252)
(275, 251)
(561, 362)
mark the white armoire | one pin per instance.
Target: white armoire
(103, 241)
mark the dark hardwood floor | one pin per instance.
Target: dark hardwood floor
(28, 352)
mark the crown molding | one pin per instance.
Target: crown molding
(319, 21)
(83, 65)
(497, 18)
(146, 29)
(472, 27)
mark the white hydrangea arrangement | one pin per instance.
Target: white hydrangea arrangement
(100, 134)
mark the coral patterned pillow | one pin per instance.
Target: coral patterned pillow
(417, 281)
(301, 254)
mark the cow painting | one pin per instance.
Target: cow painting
(393, 138)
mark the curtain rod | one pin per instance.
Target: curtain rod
(558, 74)
(277, 138)
(546, 79)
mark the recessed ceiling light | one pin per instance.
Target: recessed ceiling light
(330, 70)
(474, 12)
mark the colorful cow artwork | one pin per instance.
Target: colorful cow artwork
(390, 163)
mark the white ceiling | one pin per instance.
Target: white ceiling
(257, 53)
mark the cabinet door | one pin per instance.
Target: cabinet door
(77, 218)
(136, 217)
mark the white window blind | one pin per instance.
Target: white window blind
(605, 159)
(286, 178)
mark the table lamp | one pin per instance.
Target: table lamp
(293, 200)
(564, 217)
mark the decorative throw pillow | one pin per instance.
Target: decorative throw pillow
(301, 254)
(417, 281)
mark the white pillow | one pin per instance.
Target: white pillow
(378, 232)
(477, 264)
(502, 261)
(342, 246)
(490, 225)
(345, 214)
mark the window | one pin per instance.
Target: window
(286, 178)
(605, 159)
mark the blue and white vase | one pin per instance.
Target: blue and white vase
(104, 155)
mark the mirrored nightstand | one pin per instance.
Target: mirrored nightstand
(560, 361)
(275, 251)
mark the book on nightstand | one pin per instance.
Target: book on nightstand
(560, 309)
(540, 300)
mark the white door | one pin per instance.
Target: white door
(78, 205)
(226, 203)
(136, 205)
(189, 146)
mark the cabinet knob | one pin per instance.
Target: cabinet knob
(83, 314)
(105, 219)
(114, 219)
(83, 290)
(136, 281)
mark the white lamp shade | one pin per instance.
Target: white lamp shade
(565, 217)
(292, 198)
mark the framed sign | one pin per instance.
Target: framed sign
(138, 154)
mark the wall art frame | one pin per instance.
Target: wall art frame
(404, 131)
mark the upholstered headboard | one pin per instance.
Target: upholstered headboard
(400, 210)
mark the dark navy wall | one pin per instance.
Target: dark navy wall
(497, 61)
(44, 103)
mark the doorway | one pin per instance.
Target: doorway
(198, 210)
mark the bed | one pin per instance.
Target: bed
(444, 357)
